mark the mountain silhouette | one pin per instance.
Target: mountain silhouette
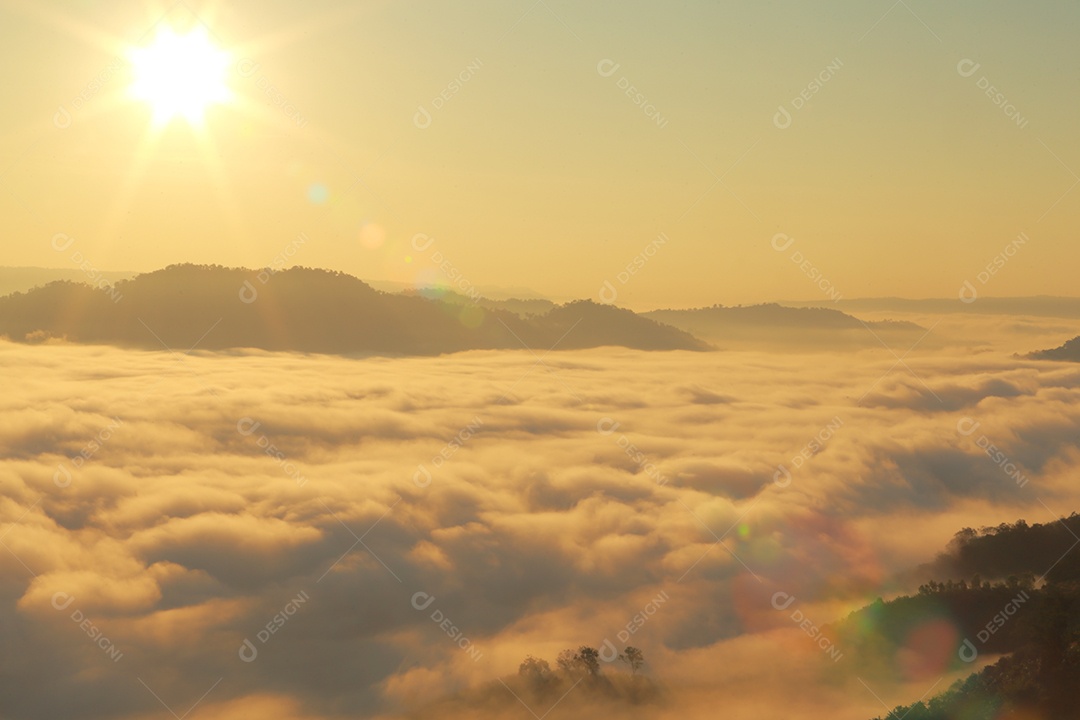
(1069, 351)
(781, 325)
(22, 279)
(306, 310)
(518, 306)
(1033, 306)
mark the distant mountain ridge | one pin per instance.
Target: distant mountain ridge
(518, 306)
(1034, 305)
(1070, 351)
(776, 314)
(23, 279)
(777, 324)
(306, 310)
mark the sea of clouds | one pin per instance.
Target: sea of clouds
(287, 536)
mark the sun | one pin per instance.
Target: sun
(180, 75)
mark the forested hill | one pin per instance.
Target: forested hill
(1011, 591)
(307, 310)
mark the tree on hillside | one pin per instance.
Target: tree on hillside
(537, 674)
(634, 658)
(534, 669)
(584, 662)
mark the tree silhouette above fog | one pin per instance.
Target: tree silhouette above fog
(634, 658)
(581, 665)
(585, 662)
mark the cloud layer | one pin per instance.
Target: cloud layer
(265, 526)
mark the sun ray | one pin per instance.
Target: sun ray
(239, 231)
(141, 158)
(55, 18)
(301, 31)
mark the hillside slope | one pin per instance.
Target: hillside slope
(306, 310)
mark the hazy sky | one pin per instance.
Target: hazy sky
(504, 131)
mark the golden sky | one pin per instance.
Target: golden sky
(903, 147)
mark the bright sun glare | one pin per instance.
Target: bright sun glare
(180, 75)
